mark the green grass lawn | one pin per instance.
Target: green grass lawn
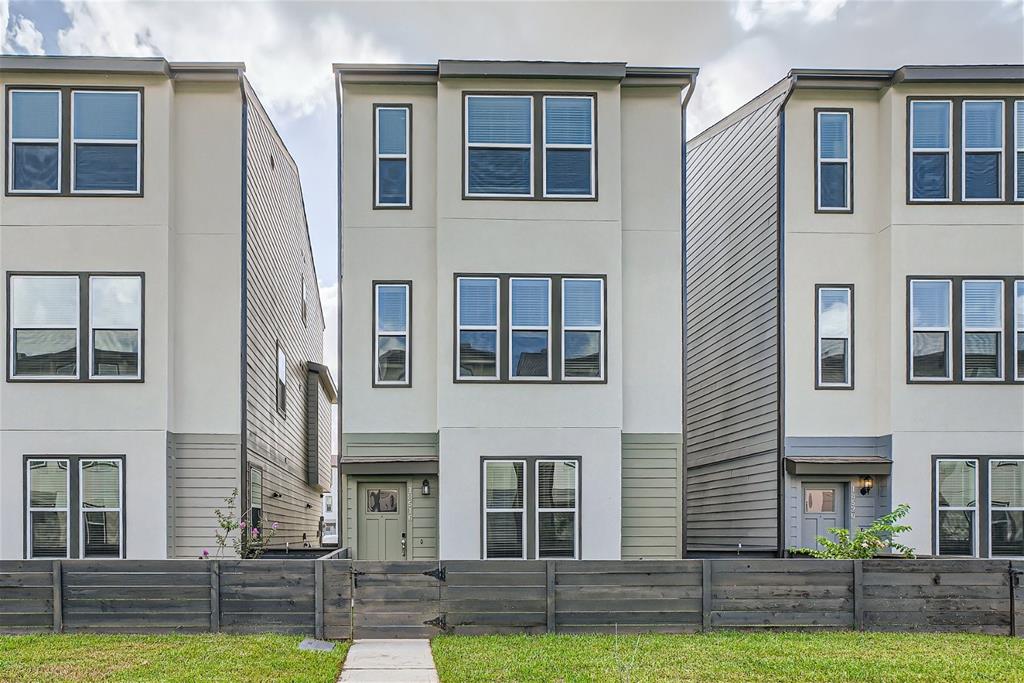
(730, 656)
(165, 658)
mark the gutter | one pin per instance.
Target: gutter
(244, 317)
(683, 478)
(341, 341)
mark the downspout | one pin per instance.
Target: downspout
(781, 322)
(682, 388)
(244, 336)
(341, 369)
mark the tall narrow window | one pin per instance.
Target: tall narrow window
(956, 498)
(49, 493)
(930, 140)
(477, 309)
(499, 145)
(34, 141)
(530, 332)
(983, 150)
(100, 532)
(391, 349)
(255, 498)
(982, 329)
(557, 501)
(392, 156)
(835, 336)
(303, 305)
(106, 141)
(834, 155)
(1006, 508)
(115, 324)
(282, 379)
(582, 328)
(568, 146)
(44, 326)
(1018, 336)
(1018, 159)
(930, 329)
(504, 509)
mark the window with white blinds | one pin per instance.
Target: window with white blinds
(568, 146)
(499, 146)
(982, 340)
(504, 509)
(530, 330)
(1018, 148)
(106, 142)
(44, 326)
(34, 135)
(956, 499)
(834, 156)
(835, 337)
(115, 326)
(49, 495)
(392, 156)
(476, 353)
(1006, 507)
(1018, 329)
(930, 150)
(557, 518)
(930, 329)
(101, 508)
(982, 161)
(583, 328)
(391, 337)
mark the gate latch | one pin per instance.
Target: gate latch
(355, 575)
(440, 622)
(1015, 575)
(441, 573)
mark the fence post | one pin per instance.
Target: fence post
(318, 598)
(58, 597)
(858, 595)
(215, 596)
(706, 581)
(549, 569)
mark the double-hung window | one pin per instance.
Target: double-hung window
(391, 149)
(34, 141)
(1018, 146)
(568, 146)
(499, 146)
(530, 332)
(557, 509)
(504, 509)
(835, 337)
(834, 156)
(255, 498)
(1006, 508)
(982, 160)
(956, 497)
(44, 326)
(115, 326)
(282, 379)
(982, 329)
(930, 150)
(106, 143)
(75, 507)
(1018, 336)
(583, 328)
(391, 338)
(477, 328)
(930, 329)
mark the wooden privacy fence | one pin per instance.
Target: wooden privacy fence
(336, 597)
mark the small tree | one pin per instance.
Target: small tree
(250, 542)
(867, 543)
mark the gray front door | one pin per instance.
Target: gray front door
(824, 508)
(381, 518)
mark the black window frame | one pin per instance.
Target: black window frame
(74, 518)
(376, 203)
(818, 384)
(65, 170)
(84, 358)
(983, 502)
(818, 208)
(249, 501)
(374, 381)
(280, 386)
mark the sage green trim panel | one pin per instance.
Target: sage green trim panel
(389, 446)
(652, 490)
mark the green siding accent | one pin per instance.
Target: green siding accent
(389, 446)
(421, 524)
(652, 501)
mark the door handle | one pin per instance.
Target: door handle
(403, 546)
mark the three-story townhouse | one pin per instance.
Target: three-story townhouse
(163, 333)
(855, 312)
(511, 310)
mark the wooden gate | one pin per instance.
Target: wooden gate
(399, 599)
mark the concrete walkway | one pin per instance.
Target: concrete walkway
(388, 661)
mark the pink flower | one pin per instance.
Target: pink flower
(274, 526)
(206, 553)
(242, 524)
(255, 532)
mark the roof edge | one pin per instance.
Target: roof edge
(515, 69)
(139, 66)
(326, 381)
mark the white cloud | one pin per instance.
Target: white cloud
(750, 13)
(329, 300)
(287, 48)
(18, 34)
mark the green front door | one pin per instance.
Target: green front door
(381, 521)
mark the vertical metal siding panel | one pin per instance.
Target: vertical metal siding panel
(731, 451)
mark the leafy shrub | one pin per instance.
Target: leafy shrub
(877, 538)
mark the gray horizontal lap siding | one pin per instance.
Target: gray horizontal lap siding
(277, 255)
(731, 396)
(202, 473)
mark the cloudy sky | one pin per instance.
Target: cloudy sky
(741, 47)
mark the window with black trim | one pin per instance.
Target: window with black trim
(392, 156)
(931, 143)
(74, 141)
(568, 146)
(74, 507)
(931, 313)
(282, 379)
(834, 159)
(391, 347)
(476, 321)
(979, 506)
(1018, 150)
(54, 317)
(1018, 329)
(255, 498)
(834, 337)
(583, 328)
(982, 329)
(303, 307)
(530, 332)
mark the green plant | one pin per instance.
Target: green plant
(867, 543)
(249, 543)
